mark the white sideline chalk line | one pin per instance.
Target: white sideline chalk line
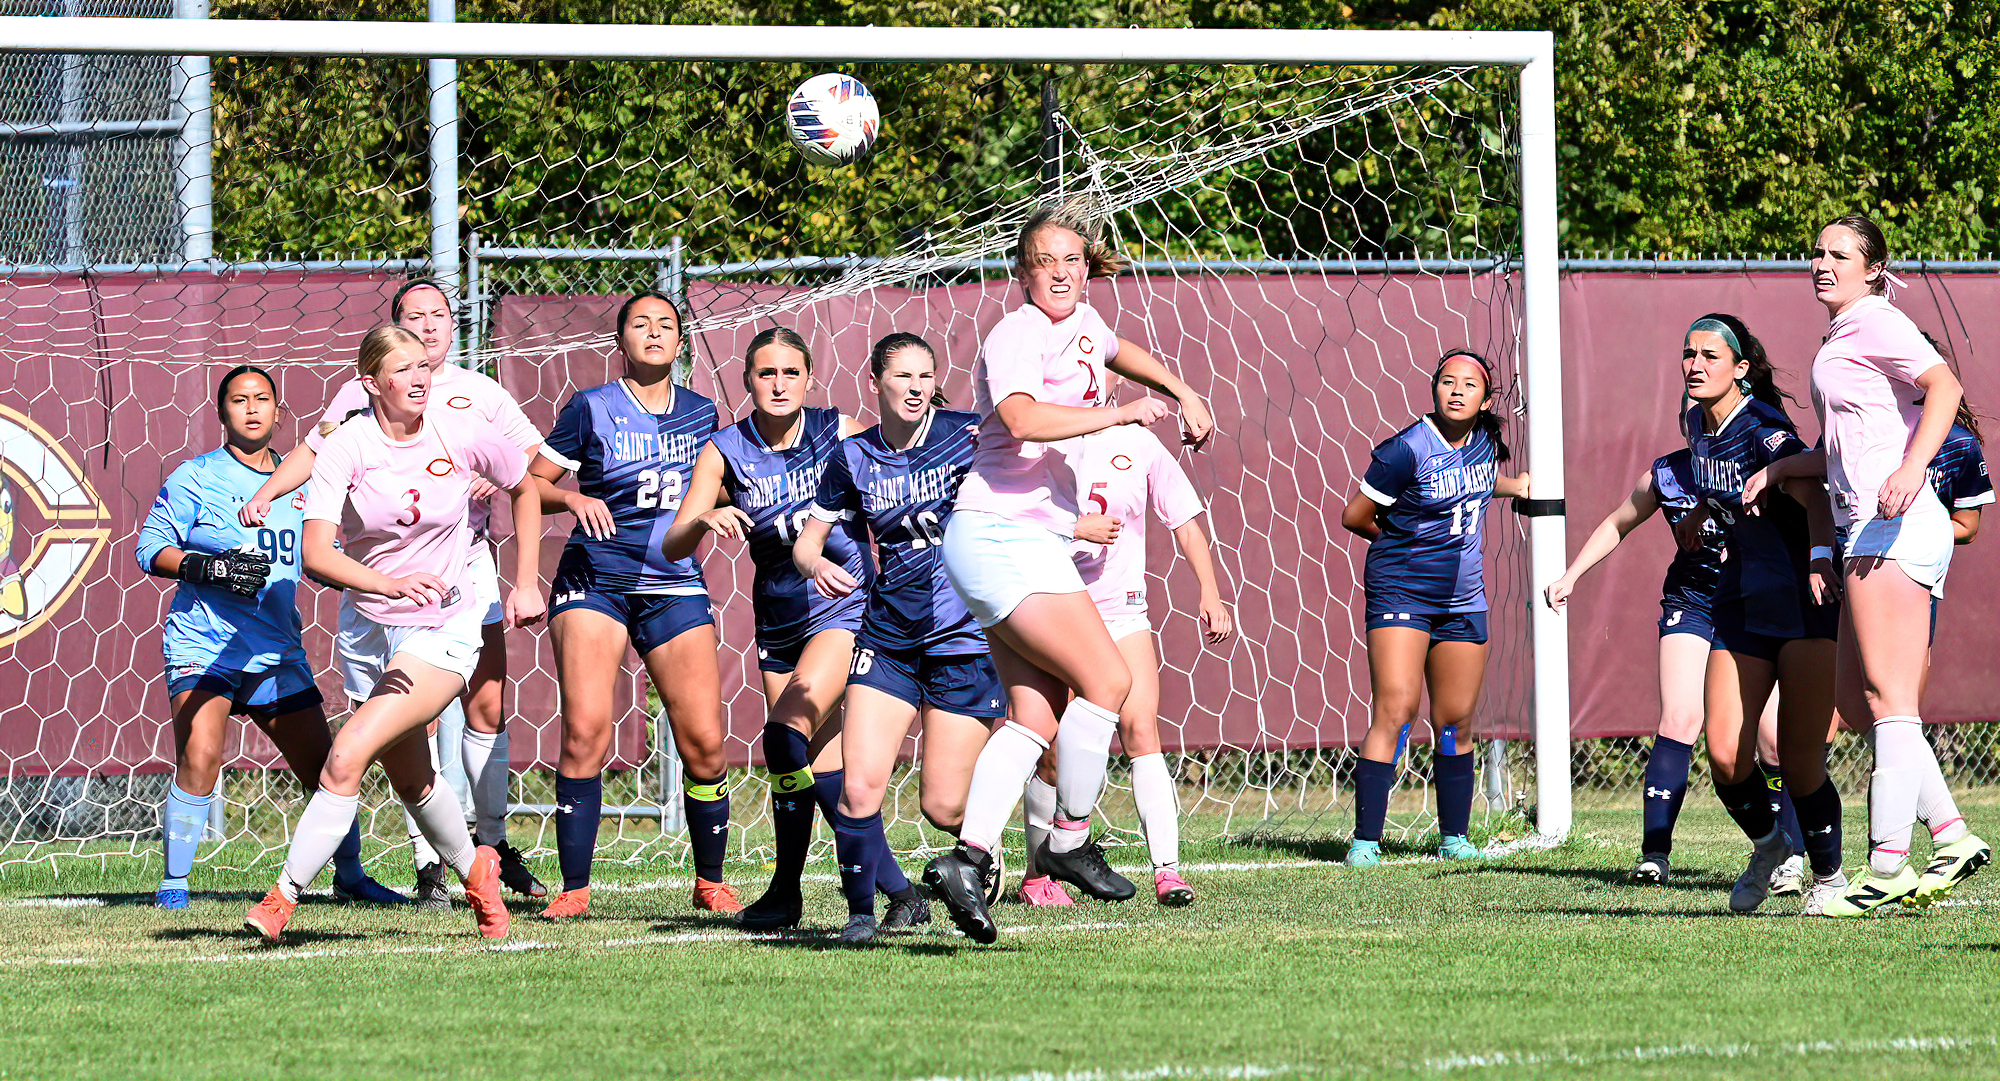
(1147, 1073)
(1665, 1052)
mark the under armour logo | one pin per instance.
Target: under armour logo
(566, 808)
(1822, 831)
(1657, 793)
(719, 829)
(787, 805)
(850, 868)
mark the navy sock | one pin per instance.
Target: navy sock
(826, 791)
(1819, 816)
(1452, 774)
(1666, 788)
(707, 805)
(1781, 806)
(793, 791)
(347, 869)
(1371, 797)
(1748, 801)
(855, 842)
(579, 805)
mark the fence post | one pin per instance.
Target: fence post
(475, 305)
(194, 148)
(444, 158)
(673, 817)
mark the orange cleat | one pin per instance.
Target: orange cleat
(269, 916)
(715, 896)
(568, 905)
(482, 891)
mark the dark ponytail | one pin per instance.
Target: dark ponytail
(1966, 418)
(878, 358)
(1485, 420)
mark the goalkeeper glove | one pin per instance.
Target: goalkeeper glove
(242, 572)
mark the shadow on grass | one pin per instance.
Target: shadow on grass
(1720, 911)
(1321, 849)
(1682, 882)
(293, 936)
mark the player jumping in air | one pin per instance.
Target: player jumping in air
(1118, 470)
(1886, 401)
(396, 482)
(232, 639)
(1422, 505)
(919, 651)
(421, 308)
(1039, 384)
(632, 444)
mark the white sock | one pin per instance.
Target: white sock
(1935, 807)
(485, 758)
(1902, 756)
(1159, 808)
(321, 828)
(1041, 813)
(1004, 766)
(442, 821)
(422, 855)
(1083, 752)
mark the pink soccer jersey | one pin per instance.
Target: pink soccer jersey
(1116, 470)
(1057, 363)
(1864, 387)
(401, 506)
(454, 388)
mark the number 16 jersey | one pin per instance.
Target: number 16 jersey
(638, 463)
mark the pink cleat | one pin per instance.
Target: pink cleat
(1172, 891)
(1043, 890)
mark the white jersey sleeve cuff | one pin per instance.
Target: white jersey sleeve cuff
(1369, 491)
(569, 465)
(1972, 501)
(831, 516)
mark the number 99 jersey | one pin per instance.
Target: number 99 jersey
(638, 463)
(1427, 558)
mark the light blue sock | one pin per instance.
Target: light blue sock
(184, 820)
(347, 858)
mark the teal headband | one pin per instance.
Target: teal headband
(1717, 326)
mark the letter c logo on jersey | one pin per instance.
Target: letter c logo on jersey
(439, 467)
(52, 526)
(1085, 345)
(1120, 461)
(459, 402)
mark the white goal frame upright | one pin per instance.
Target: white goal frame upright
(1532, 52)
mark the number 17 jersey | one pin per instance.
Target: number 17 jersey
(1427, 558)
(639, 464)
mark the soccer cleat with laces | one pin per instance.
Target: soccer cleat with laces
(1651, 870)
(568, 905)
(1170, 889)
(775, 911)
(906, 913)
(433, 889)
(860, 931)
(716, 897)
(957, 879)
(269, 916)
(1086, 869)
(1363, 853)
(1820, 893)
(1872, 893)
(1045, 892)
(170, 898)
(1790, 877)
(996, 877)
(1458, 847)
(1951, 864)
(482, 892)
(514, 873)
(366, 891)
(1754, 884)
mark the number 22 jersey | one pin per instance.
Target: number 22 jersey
(1427, 558)
(638, 463)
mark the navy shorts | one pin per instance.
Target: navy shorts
(652, 620)
(785, 657)
(1733, 634)
(962, 683)
(274, 692)
(1685, 619)
(1443, 626)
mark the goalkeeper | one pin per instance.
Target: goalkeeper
(231, 639)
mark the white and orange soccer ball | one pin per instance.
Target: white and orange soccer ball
(832, 119)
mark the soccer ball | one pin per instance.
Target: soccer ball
(832, 119)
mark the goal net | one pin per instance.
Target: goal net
(1306, 241)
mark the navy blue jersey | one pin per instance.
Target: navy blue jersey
(1427, 558)
(1693, 575)
(776, 489)
(1767, 552)
(906, 497)
(1959, 472)
(638, 463)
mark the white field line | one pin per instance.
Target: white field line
(1918, 1045)
(1137, 1073)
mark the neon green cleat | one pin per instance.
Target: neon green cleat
(1872, 893)
(1458, 847)
(1364, 853)
(1950, 865)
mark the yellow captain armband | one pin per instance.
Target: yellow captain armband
(709, 792)
(795, 781)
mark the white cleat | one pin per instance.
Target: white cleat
(1820, 892)
(1790, 877)
(1754, 884)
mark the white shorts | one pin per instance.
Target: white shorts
(1920, 541)
(1123, 627)
(995, 563)
(485, 584)
(364, 647)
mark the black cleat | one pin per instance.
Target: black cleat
(957, 878)
(860, 931)
(906, 914)
(1086, 869)
(1652, 870)
(996, 878)
(775, 911)
(433, 888)
(514, 873)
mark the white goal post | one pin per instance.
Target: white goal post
(1532, 53)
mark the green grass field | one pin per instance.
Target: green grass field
(1538, 964)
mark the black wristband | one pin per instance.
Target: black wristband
(1540, 508)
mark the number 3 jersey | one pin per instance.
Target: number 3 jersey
(639, 464)
(1427, 558)
(208, 625)
(906, 496)
(776, 489)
